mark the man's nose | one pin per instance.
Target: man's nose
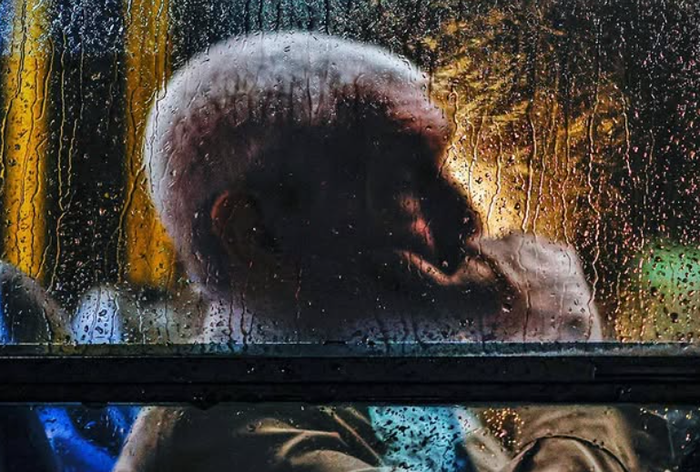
(419, 227)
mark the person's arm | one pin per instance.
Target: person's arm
(555, 304)
(28, 314)
(570, 438)
(258, 438)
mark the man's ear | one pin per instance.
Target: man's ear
(238, 224)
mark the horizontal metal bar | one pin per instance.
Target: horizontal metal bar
(341, 349)
(205, 396)
(197, 374)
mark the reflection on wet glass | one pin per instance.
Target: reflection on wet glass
(192, 171)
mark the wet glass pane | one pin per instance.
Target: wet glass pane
(363, 177)
(349, 171)
(291, 437)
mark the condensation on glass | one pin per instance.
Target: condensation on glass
(353, 171)
(368, 173)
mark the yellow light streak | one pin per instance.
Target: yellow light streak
(149, 252)
(24, 138)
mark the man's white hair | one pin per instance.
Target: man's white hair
(228, 105)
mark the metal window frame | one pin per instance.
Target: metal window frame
(601, 373)
(438, 373)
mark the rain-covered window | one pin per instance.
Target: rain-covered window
(393, 179)
(500, 172)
